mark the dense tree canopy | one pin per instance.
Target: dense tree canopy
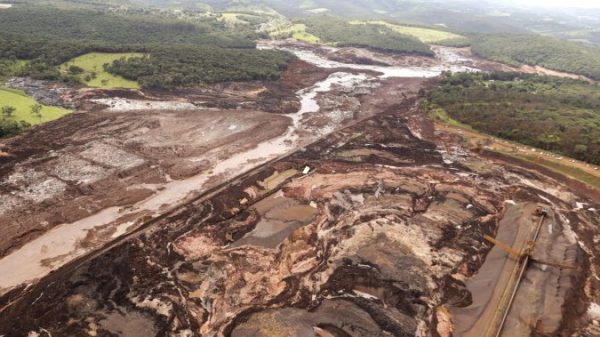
(97, 26)
(344, 34)
(554, 114)
(532, 49)
(181, 66)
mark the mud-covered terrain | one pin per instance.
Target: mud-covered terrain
(379, 238)
(124, 157)
(122, 146)
(191, 214)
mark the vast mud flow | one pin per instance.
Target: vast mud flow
(322, 205)
(234, 143)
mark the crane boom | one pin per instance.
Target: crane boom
(527, 252)
(504, 247)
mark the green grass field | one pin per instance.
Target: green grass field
(297, 31)
(231, 18)
(22, 103)
(426, 35)
(93, 63)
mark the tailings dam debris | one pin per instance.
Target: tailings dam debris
(322, 205)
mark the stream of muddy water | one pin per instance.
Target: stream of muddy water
(62, 244)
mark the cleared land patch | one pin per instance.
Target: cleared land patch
(296, 31)
(425, 35)
(91, 70)
(234, 18)
(23, 103)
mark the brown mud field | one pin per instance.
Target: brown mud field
(397, 235)
(365, 221)
(98, 158)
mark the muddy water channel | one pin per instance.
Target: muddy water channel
(447, 59)
(64, 243)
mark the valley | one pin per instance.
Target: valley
(348, 168)
(227, 169)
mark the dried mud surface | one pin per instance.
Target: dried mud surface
(101, 156)
(126, 157)
(395, 232)
(375, 229)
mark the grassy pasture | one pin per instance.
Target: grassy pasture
(93, 63)
(426, 35)
(22, 103)
(297, 31)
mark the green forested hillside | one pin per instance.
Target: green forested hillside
(345, 34)
(101, 27)
(180, 66)
(60, 35)
(553, 114)
(518, 49)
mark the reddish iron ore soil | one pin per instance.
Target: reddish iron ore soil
(399, 228)
(375, 229)
(85, 162)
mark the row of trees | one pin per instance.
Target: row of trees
(558, 115)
